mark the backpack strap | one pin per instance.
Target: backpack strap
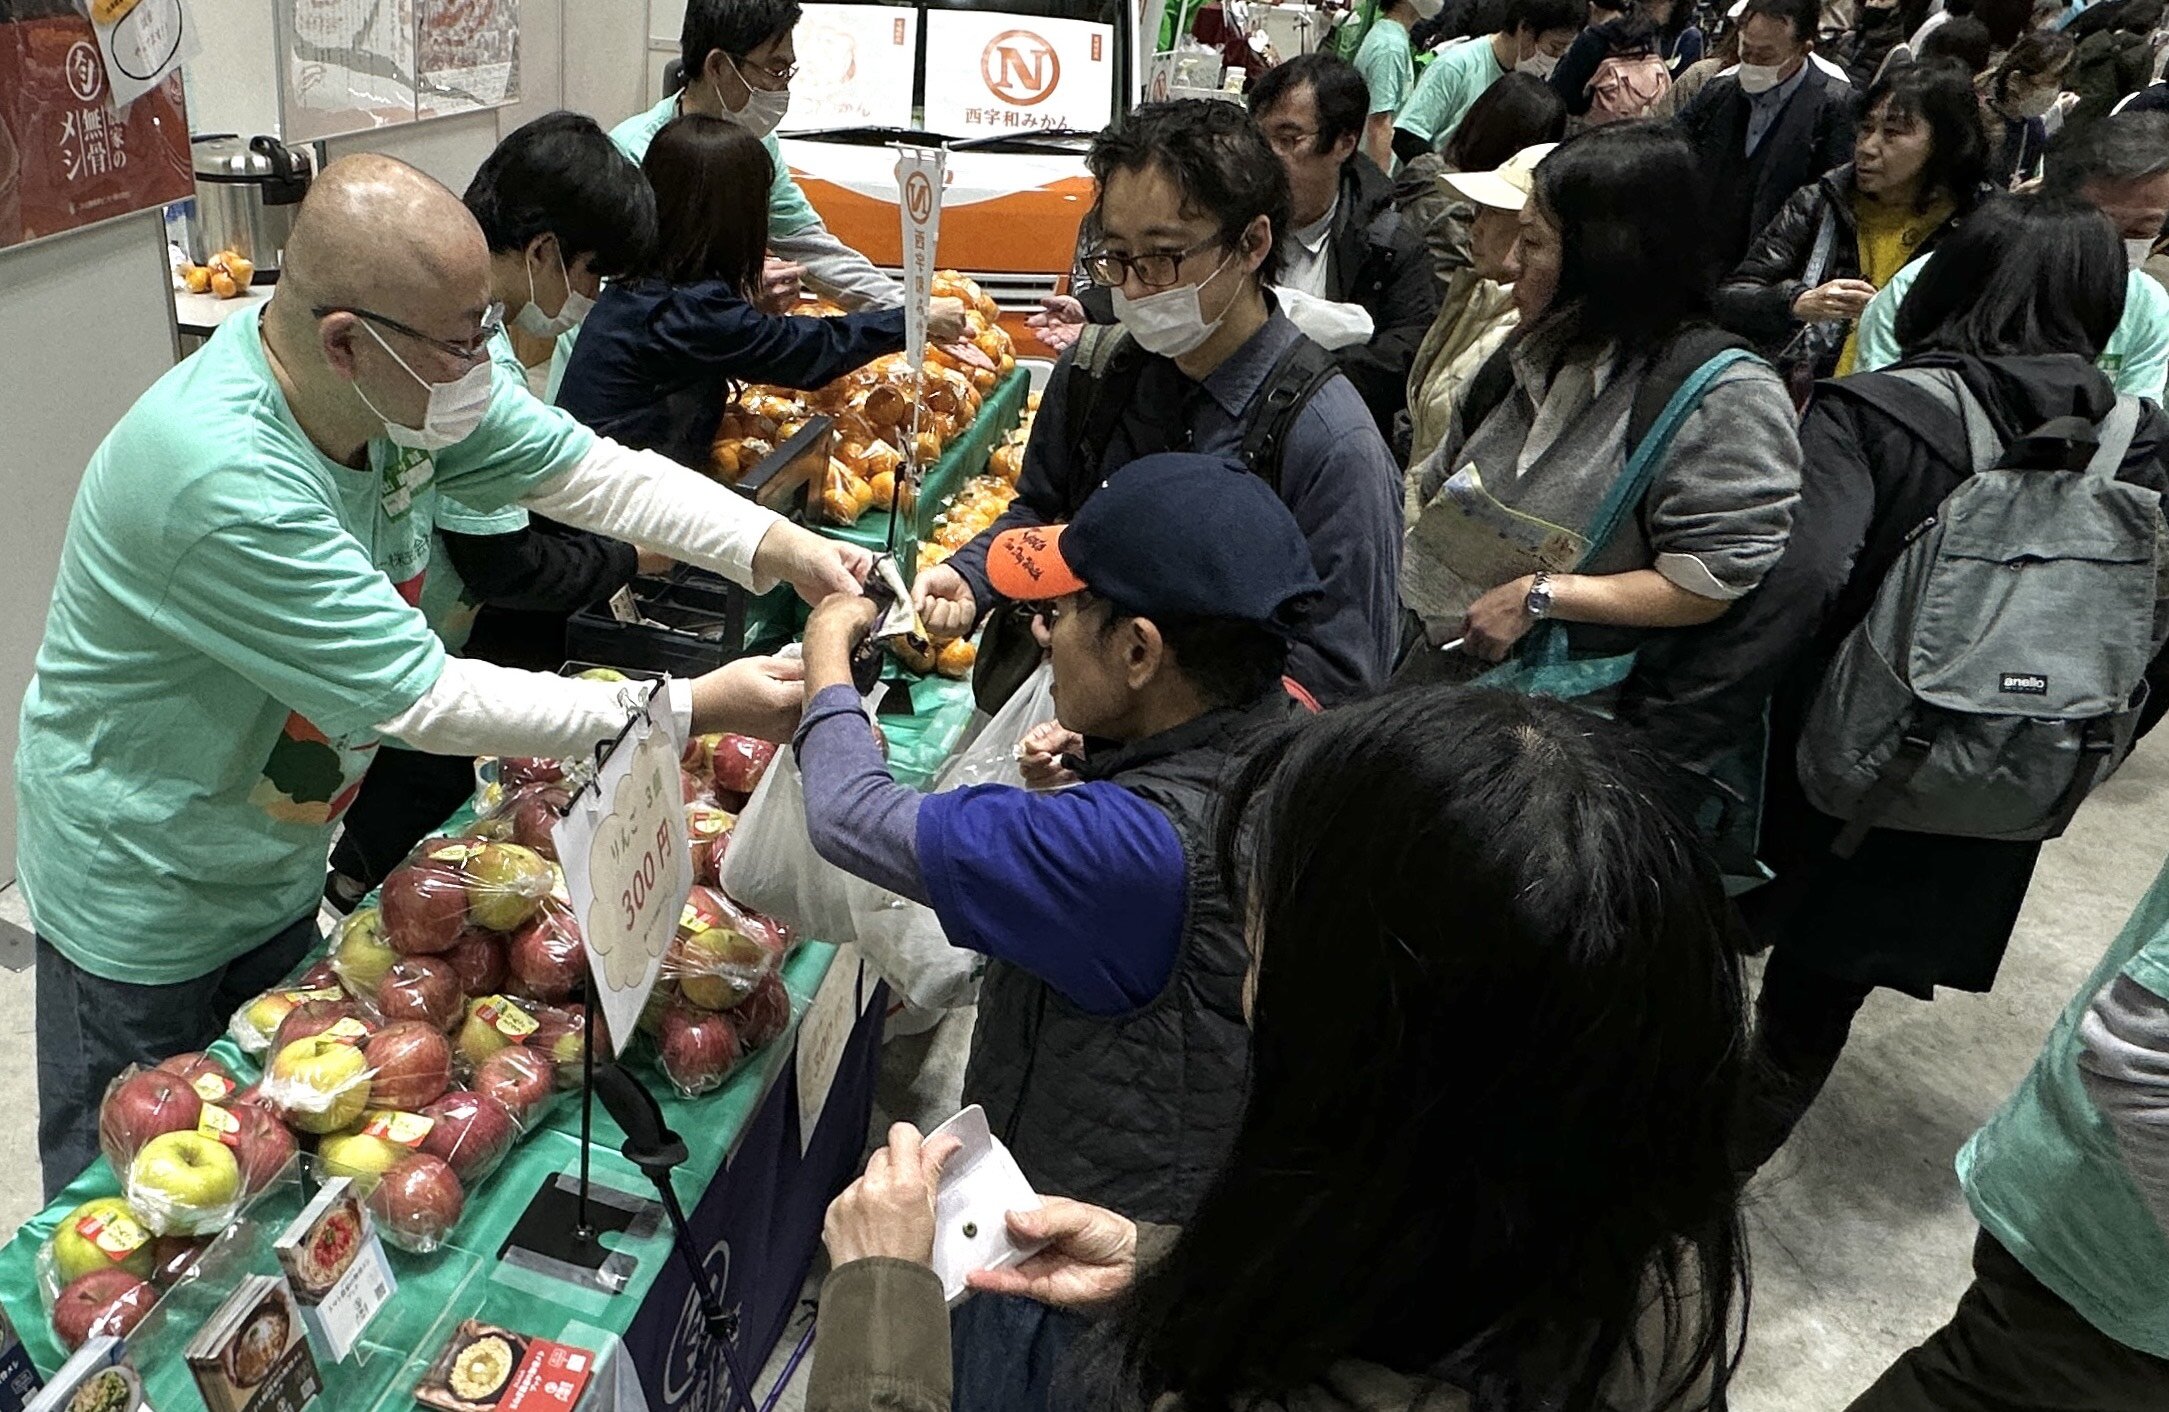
(1302, 368)
(1649, 453)
(1919, 741)
(1946, 387)
(1682, 357)
(1104, 355)
(2117, 431)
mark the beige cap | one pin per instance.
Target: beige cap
(1507, 188)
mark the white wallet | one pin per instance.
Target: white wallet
(980, 1185)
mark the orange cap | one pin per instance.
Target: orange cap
(1026, 565)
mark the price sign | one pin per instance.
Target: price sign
(919, 176)
(627, 869)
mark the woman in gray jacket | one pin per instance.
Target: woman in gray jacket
(1468, 1177)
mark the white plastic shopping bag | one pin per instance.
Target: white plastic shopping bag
(772, 867)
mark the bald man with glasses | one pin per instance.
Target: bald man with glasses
(234, 628)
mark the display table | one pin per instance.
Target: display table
(768, 1151)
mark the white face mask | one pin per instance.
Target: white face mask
(1759, 78)
(455, 409)
(2137, 251)
(1171, 322)
(1428, 9)
(1540, 64)
(533, 322)
(764, 110)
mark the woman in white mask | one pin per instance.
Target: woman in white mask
(2016, 97)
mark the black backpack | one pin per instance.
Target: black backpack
(1102, 382)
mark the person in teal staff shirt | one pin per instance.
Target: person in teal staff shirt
(1388, 66)
(234, 625)
(739, 62)
(1530, 40)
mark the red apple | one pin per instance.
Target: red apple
(740, 761)
(764, 1014)
(146, 1104)
(321, 976)
(699, 1049)
(699, 756)
(413, 1064)
(213, 1081)
(172, 1255)
(101, 1302)
(516, 770)
(418, 1202)
(315, 1017)
(263, 1144)
(545, 957)
(561, 1035)
(480, 960)
(534, 812)
(696, 791)
(422, 988)
(518, 1078)
(471, 1131)
(424, 905)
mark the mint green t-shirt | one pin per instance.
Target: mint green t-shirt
(234, 614)
(788, 210)
(450, 609)
(2045, 1178)
(1449, 87)
(2136, 357)
(1387, 64)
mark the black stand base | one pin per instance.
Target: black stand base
(550, 1237)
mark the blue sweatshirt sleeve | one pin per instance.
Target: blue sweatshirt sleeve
(709, 325)
(859, 817)
(1085, 888)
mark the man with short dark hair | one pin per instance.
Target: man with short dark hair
(1770, 126)
(1347, 242)
(1190, 203)
(1387, 62)
(1530, 40)
(1110, 1052)
(739, 61)
(2119, 165)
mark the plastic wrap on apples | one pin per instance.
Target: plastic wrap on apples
(697, 1049)
(470, 1131)
(211, 1079)
(418, 1202)
(544, 959)
(737, 763)
(361, 954)
(522, 1080)
(450, 884)
(342, 1017)
(424, 988)
(561, 1037)
(142, 1104)
(188, 1183)
(104, 1303)
(319, 1084)
(256, 1023)
(721, 950)
(102, 1234)
(763, 1016)
(707, 833)
(527, 815)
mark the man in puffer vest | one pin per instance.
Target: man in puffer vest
(1110, 1054)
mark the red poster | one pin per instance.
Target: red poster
(67, 159)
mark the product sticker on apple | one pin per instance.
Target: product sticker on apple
(509, 1019)
(980, 1185)
(217, 1122)
(406, 1129)
(213, 1087)
(116, 1235)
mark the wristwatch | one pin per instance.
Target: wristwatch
(1538, 604)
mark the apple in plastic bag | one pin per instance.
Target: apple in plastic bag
(518, 1078)
(185, 1182)
(424, 904)
(314, 1017)
(424, 988)
(470, 1131)
(545, 958)
(740, 762)
(212, 1080)
(362, 955)
(514, 771)
(505, 885)
(418, 1201)
(699, 1049)
(411, 1062)
(534, 812)
(100, 1303)
(480, 960)
(173, 1256)
(478, 1036)
(145, 1105)
(763, 1015)
(321, 1084)
(261, 1143)
(103, 1233)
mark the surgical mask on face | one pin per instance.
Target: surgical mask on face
(2137, 251)
(455, 409)
(1539, 64)
(1428, 9)
(533, 322)
(764, 110)
(1171, 322)
(1758, 78)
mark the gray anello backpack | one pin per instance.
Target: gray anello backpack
(1998, 677)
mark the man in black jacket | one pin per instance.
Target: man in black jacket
(1346, 242)
(1771, 126)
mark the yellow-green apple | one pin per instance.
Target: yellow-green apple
(471, 1131)
(184, 1183)
(319, 1084)
(719, 953)
(505, 884)
(481, 1034)
(142, 1106)
(410, 1064)
(424, 988)
(358, 1153)
(101, 1234)
(100, 1303)
(418, 1202)
(362, 955)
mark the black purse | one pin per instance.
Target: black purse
(1008, 655)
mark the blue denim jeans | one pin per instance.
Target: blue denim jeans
(1006, 1353)
(90, 1028)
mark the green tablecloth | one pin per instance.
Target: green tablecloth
(437, 1290)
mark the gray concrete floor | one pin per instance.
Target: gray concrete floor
(1860, 1233)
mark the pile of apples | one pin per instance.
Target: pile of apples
(225, 274)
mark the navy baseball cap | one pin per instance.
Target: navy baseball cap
(1178, 534)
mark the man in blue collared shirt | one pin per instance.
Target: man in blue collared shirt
(1769, 127)
(1193, 205)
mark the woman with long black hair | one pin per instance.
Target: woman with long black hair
(1468, 1175)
